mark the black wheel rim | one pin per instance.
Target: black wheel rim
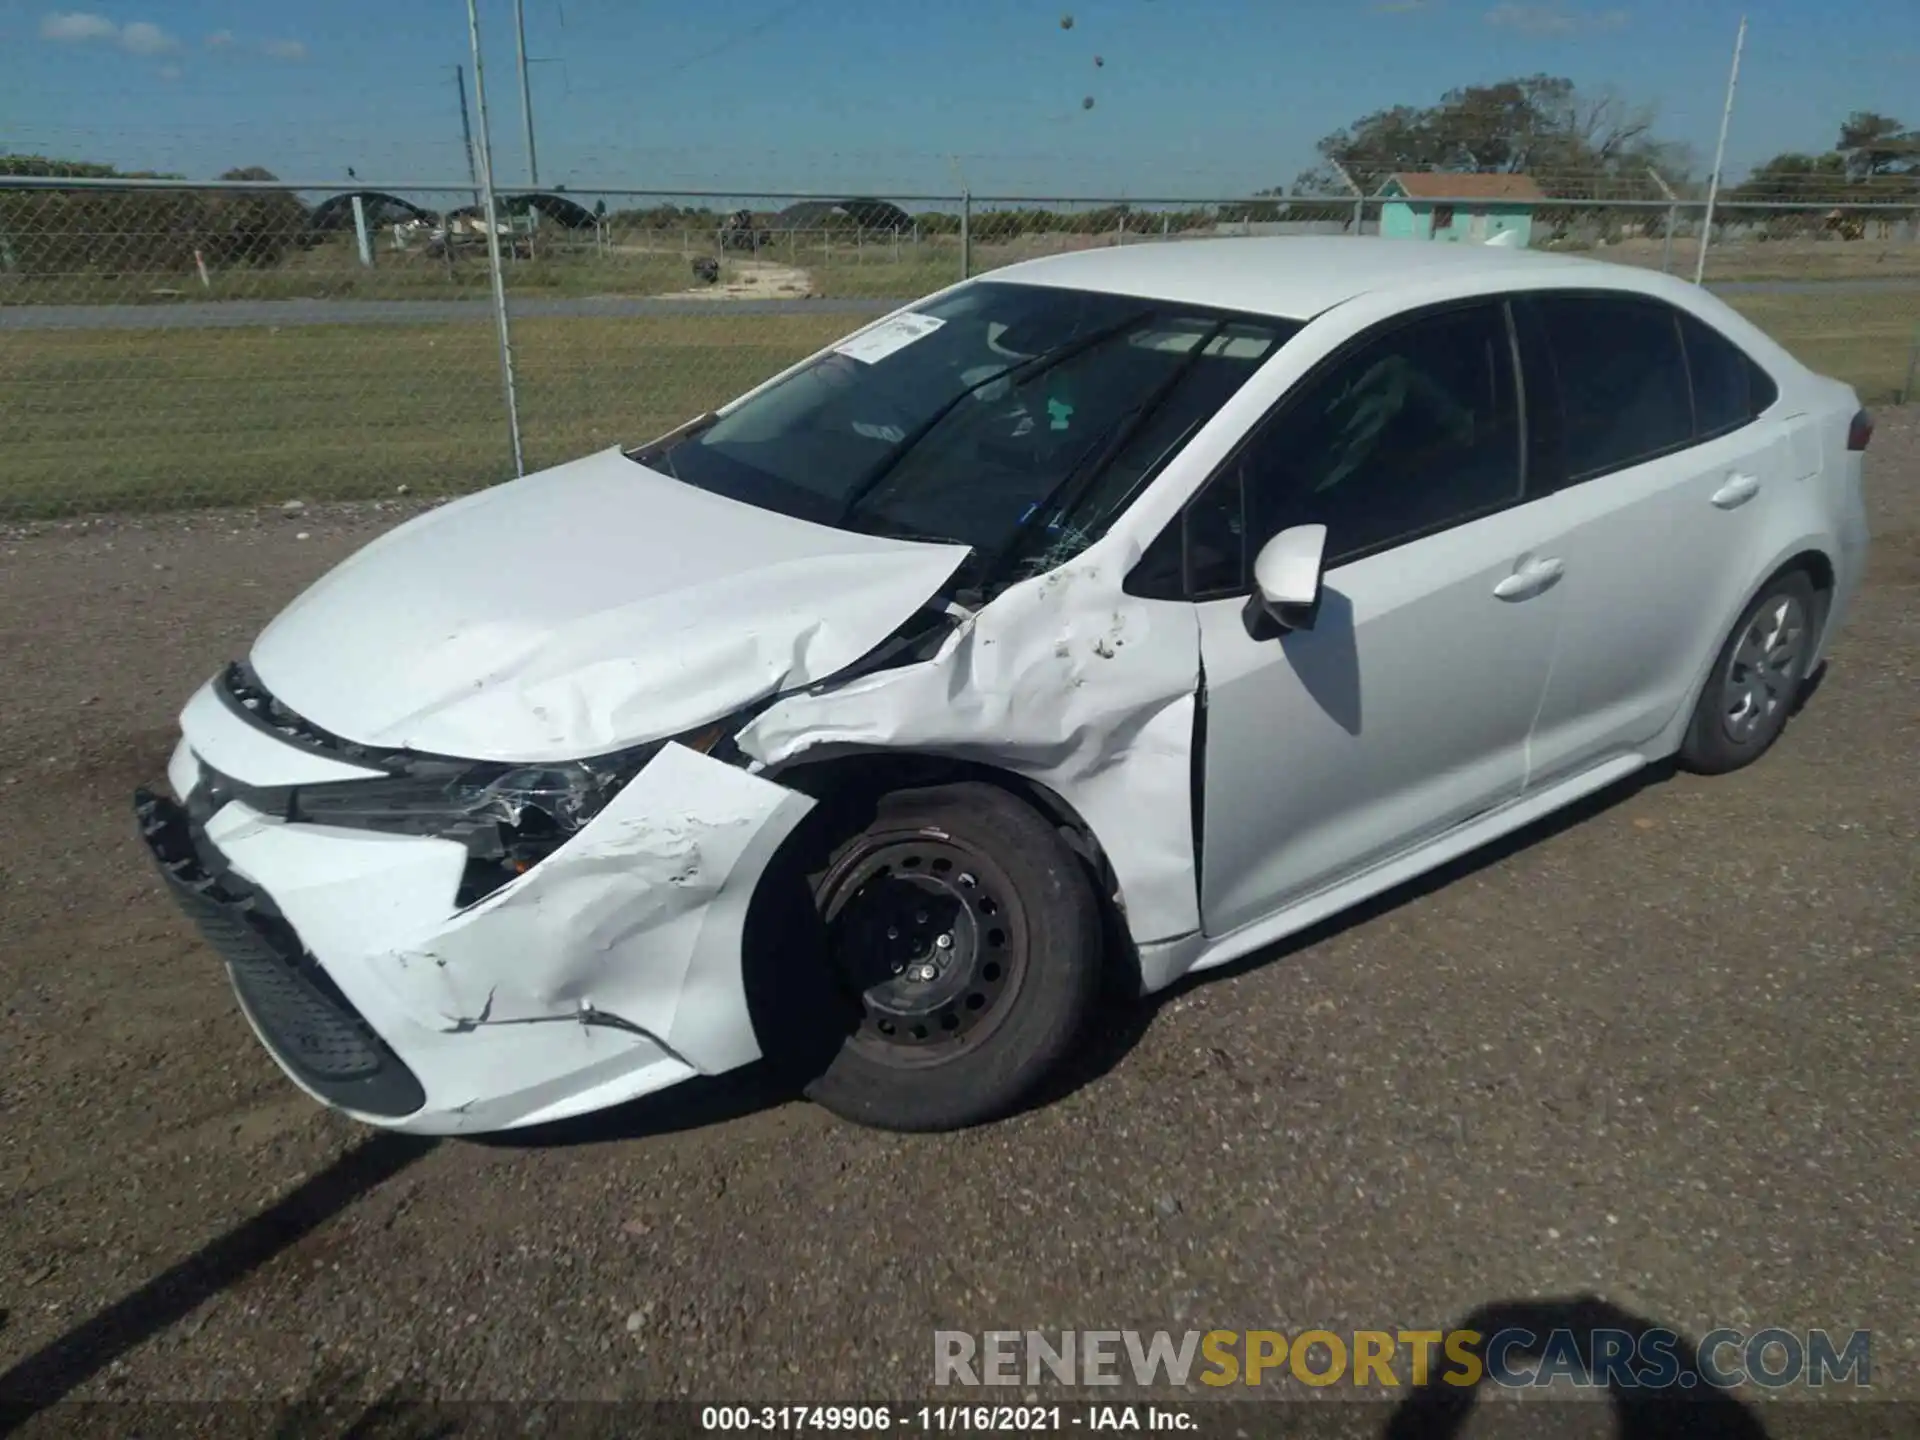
(930, 936)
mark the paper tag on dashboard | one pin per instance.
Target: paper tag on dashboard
(888, 336)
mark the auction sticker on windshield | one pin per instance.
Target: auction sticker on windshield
(888, 336)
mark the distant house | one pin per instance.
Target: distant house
(1463, 208)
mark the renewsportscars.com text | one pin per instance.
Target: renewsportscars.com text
(1515, 1358)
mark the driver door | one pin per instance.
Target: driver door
(1406, 709)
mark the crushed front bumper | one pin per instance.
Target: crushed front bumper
(299, 1013)
(609, 970)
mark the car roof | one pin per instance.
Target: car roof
(1293, 277)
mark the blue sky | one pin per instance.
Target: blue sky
(1196, 98)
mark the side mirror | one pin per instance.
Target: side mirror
(1286, 576)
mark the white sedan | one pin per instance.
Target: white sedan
(1114, 615)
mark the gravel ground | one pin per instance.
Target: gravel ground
(1661, 1050)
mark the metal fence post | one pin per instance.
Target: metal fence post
(1673, 216)
(361, 237)
(966, 234)
(493, 247)
(1359, 198)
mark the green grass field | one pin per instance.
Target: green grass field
(117, 420)
(649, 263)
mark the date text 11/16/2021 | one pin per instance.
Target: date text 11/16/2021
(942, 1419)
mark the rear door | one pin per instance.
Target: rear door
(1649, 438)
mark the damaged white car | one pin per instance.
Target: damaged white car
(1114, 615)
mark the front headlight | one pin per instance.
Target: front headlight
(456, 801)
(508, 816)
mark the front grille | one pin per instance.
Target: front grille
(240, 690)
(305, 1019)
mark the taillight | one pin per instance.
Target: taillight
(1860, 431)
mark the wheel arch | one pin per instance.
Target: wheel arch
(845, 781)
(1812, 556)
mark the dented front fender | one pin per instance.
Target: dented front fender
(1066, 680)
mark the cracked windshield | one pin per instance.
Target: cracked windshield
(1014, 419)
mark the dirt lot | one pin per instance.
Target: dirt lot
(1662, 1050)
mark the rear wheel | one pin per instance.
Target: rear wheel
(964, 939)
(1756, 679)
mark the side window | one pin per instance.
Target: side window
(1216, 540)
(1415, 430)
(1540, 389)
(1722, 380)
(1202, 554)
(1624, 391)
(1729, 387)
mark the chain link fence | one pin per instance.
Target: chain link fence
(169, 344)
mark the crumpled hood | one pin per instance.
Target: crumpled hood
(582, 609)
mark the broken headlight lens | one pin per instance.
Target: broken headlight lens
(508, 816)
(470, 802)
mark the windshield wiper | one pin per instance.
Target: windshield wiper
(1018, 374)
(663, 447)
(1063, 497)
(921, 537)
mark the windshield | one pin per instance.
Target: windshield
(1016, 419)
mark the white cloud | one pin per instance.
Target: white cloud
(219, 39)
(169, 72)
(76, 26)
(80, 27)
(285, 49)
(145, 39)
(1553, 19)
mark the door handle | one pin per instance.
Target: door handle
(1737, 491)
(1530, 579)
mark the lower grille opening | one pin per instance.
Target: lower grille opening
(305, 1019)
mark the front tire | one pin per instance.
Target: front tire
(964, 939)
(1756, 679)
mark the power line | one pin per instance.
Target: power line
(732, 42)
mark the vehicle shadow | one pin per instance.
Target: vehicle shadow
(1125, 1017)
(1567, 1335)
(65, 1363)
(690, 1105)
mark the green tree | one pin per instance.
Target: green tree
(1541, 125)
(250, 227)
(142, 231)
(1795, 177)
(41, 165)
(1875, 145)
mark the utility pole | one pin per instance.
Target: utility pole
(526, 92)
(466, 131)
(1720, 155)
(493, 245)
